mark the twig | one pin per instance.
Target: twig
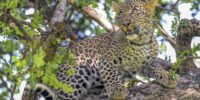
(19, 25)
(13, 92)
(168, 38)
(176, 12)
(5, 83)
(173, 7)
(191, 57)
(26, 23)
(15, 81)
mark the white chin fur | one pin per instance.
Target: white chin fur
(132, 36)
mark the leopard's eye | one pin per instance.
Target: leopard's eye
(119, 14)
(120, 11)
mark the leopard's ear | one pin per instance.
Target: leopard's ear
(116, 6)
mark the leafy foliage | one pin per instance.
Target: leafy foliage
(27, 49)
(195, 49)
(38, 58)
(163, 47)
(88, 2)
(174, 27)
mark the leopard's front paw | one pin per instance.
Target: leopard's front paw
(118, 92)
(168, 81)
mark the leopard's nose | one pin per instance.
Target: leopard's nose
(126, 23)
(136, 30)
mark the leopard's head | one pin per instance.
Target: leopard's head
(134, 19)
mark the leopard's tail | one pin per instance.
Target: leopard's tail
(40, 91)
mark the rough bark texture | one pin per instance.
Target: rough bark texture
(187, 30)
(188, 88)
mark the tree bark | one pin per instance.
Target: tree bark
(187, 30)
(188, 88)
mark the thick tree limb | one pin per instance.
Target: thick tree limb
(59, 13)
(99, 19)
(188, 88)
(91, 12)
(187, 30)
(58, 18)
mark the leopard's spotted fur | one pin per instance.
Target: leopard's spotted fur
(114, 58)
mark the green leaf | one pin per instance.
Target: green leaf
(29, 31)
(163, 47)
(70, 71)
(21, 64)
(187, 1)
(12, 3)
(38, 58)
(8, 70)
(172, 74)
(100, 31)
(71, 59)
(15, 12)
(8, 46)
(53, 65)
(174, 27)
(45, 79)
(29, 58)
(94, 4)
(195, 49)
(18, 32)
(39, 73)
(33, 80)
(67, 88)
(6, 30)
(53, 81)
(4, 94)
(37, 20)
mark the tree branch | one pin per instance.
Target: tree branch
(167, 37)
(99, 19)
(174, 6)
(4, 83)
(91, 12)
(18, 24)
(188, 88)
(59, 13)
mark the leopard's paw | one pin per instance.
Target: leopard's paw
(118, 92)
